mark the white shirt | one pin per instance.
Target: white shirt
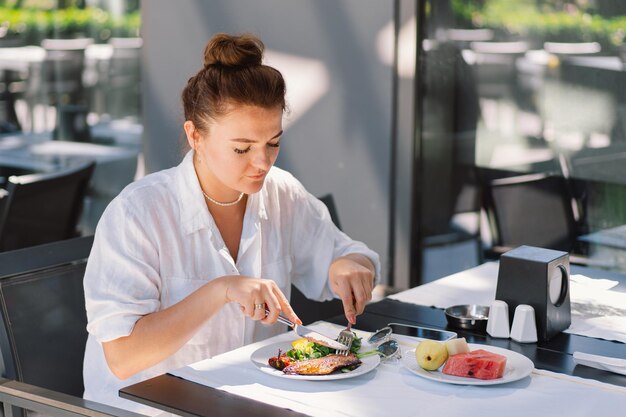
(156, 243)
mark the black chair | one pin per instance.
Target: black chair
(51, 403)
(123, 86)
(43, 327)
(63, 70)
(58, 80)
(329, 201)
(9, 122)
(310, 311)
(42, 208)
(534, 209)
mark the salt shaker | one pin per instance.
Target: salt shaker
(524, 328)
(498, 321)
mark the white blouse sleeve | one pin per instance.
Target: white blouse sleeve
(122, 281)
(315, 243)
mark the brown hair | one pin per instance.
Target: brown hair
(232, 74)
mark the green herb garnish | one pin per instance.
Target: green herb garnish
(310, 350)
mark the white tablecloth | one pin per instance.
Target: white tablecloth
(391, 390)
(597, 311)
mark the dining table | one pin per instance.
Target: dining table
(237, 382)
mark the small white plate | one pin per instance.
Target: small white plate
(517, 367)
(260, 357)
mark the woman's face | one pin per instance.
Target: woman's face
(238, 150)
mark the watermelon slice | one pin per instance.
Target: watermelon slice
(476, 364)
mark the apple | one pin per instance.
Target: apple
(431, 354)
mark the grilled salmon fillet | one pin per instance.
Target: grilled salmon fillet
(322, 366)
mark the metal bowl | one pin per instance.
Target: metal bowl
(468, 316)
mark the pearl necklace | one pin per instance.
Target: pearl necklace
(231, 203)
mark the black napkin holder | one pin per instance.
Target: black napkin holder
(540, 278)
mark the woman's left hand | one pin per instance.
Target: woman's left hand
(352, 279)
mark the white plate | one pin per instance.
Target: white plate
(260, 357)
(517, 367)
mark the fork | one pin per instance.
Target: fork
(345, 338)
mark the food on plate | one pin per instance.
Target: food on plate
(456, 346)
(458, 360)
(324, 365)
(305, 349)
(431, 354)
(479, 364)
(309, 358)
(280, 361)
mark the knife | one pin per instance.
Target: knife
(310, 335)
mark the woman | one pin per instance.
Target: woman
(186, 261)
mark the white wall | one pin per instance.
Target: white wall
(338, 137)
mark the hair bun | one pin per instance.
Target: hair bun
(234, 50)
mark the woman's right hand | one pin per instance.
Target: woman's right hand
(157, 336)
(254, 295)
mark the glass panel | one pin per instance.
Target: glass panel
(70, 72)
(518, 87)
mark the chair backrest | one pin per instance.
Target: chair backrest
(126, 57)
(43, 208)
(534, 209)
(329, 201)
(43, 327)
(63, 68)
(123, 87)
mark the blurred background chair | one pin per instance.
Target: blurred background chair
(9, 122)
(43, 327)
(123, 84)
(58, 80)
(535, 209)
(310, 311)
(495, 68)
(42, 208)
(63, 70)
(20, 84)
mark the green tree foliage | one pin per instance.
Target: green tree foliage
(30, 25)
(546, 20)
